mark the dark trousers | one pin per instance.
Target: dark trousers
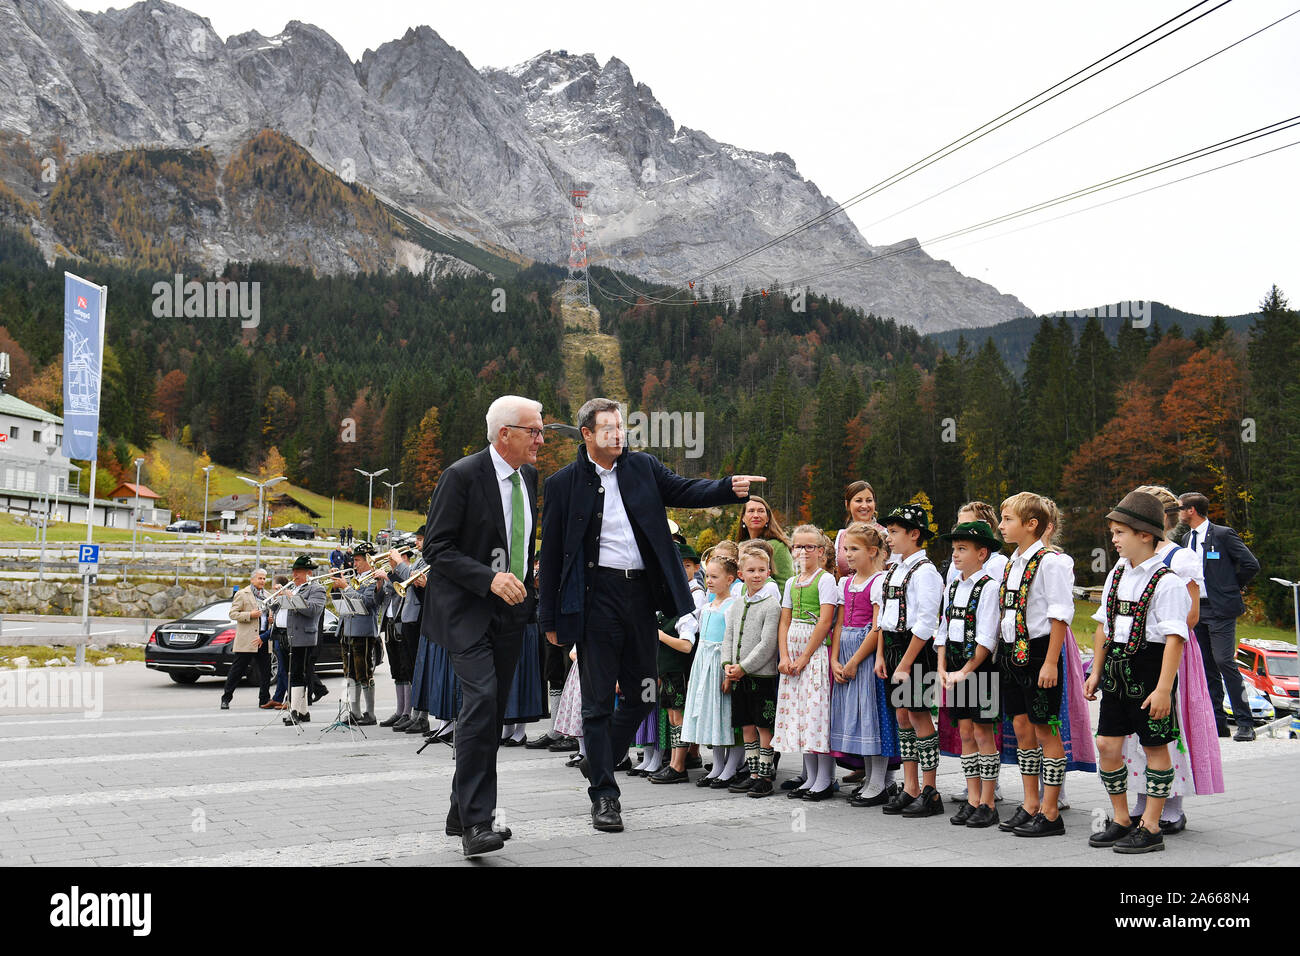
(486, 669)
(619, 645)
(1218, 640)
(281, 643)
(302, 667)
(258, 658)
(309, 662)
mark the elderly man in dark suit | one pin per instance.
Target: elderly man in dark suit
(1229, 567)
(479, 544)
(608, 564)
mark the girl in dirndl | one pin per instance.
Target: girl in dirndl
(706, 718)
(862, 722)
(803, 702)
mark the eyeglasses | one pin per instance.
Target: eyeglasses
(534, 433)
(806, 547)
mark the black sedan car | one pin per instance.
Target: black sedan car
(304, 531)
(202, 644)
(185, 527)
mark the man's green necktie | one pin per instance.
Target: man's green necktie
(516, 527)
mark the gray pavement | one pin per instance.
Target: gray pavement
(163, 777)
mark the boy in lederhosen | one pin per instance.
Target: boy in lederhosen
(1037, 602)
(909, 614)
(966, 646)
(1137, 650)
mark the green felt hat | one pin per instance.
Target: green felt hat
(304, 563)
(977, 531)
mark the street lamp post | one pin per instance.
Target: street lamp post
(207, 479)
(135, 512)
(370, 493)
(50, 449)
(391, 488)
(260, 485)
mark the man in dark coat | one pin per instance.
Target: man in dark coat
(609, 564)
(479, 544)
(1229, 567)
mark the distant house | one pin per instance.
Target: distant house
(129, 493)
(243, 507)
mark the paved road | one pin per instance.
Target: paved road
(163, 776)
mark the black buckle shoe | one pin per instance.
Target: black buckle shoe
(1141, 840)
(390, 721)
(1112, 834)
(538, 743)
(1170, 827)
(605, 815)
(928, 804)
(895, 804)
(1040, 826)
(1017, 819)
(762, 788)
(669, 775)
(984, 816)
(743, 786)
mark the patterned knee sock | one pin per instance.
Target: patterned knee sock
(907, 745)
(674, 736)
(1115, 781)
(765, 755)
(1159, 783)
(928, 752)
(1030, 761)
(989, 765)
(1053, 771)
(970, 765)
(751, 756)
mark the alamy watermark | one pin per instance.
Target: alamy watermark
(665, 430)
(215, 299)
(1138, 311)
(33, 688)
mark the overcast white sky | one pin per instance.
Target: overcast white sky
(855, 91)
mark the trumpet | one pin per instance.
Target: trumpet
(416, 571)
(285, 590)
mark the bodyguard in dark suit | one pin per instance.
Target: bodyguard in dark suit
(479, 543)
(1229, 567)
(608, 565)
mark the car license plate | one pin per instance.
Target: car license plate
(182, 638)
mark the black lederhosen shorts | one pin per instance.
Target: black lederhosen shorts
(753, 702)
(403, 640)
(358, 659)
(979, 696)
(916, 693)
(672, 690)
(1020, 691)
(1125, 683)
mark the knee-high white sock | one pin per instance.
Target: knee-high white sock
(1173, 809)
(876, 770)
(734, 756)
(554, 697)
(809, 770)
(825, 772)
(520, 732)
(369, 692)
(719, 758)
(654, 760)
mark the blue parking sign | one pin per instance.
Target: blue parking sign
(88, 554)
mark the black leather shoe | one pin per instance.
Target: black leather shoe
(895, 804)
(454, 829)
(1112, 834)
(390, 721)
(575, 760)
(984, 816)
(225, 705)
(417, 726)
(1244, 732)
(1040, 826)
(605, 815)
(1170, 827)
(928, 804)
(796, 794)
(717, 783)
(880, 798)
(817, 796)
(705, 781)
(963, 814)
(669, 775)
(563, 745)
(538, 743)
(511, 742)
(743, 786)
(762, 788)
(481, 838)
(1017, 819)
(402, 723)
(366, 720)
(1141, 840)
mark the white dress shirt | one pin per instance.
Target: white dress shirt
(1051, 595)
(986, 613)
(1199, 550)
(507, 489)
(924, 594)
(1169, 605)
(617, 543)
(1186, 564)
(993, 567)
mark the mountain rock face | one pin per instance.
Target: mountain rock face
(487, 155)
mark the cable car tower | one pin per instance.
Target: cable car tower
(576, 289)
